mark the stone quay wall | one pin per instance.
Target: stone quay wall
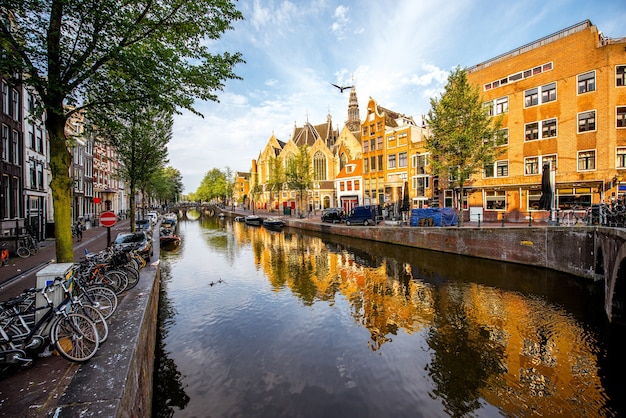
(565, 249)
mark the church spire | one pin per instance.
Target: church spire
(354, 119)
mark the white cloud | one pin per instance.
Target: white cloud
(400, 53)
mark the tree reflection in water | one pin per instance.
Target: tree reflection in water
(452, 335)
(168, 389)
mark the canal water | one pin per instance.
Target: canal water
(260, 323)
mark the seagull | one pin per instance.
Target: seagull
(341, 89)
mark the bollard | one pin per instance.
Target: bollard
(502, 218)
(530, 219)
(478, 220)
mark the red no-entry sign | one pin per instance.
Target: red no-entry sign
(108, 219)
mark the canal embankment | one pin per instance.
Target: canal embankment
(566, 249)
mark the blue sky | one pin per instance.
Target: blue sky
(397, 52)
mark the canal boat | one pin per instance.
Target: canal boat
(273, 223)
(240, 219)
(167, 237)
(254, 220)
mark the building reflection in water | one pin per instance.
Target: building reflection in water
(491, 340)
(508, 336)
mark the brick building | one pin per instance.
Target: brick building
(563, 101)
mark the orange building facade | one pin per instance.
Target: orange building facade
(563, 103)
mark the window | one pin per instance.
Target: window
(531, 131)
(6, 99)
(620, 162)
(586, 160)
(621, 117)
(420, 161)
(587, 121)
(366, 165)
(319, 166)
(420, 185)
(366, 146)
(531, 166)
(373, 165)
(402, 160)
(495, 199)
(620, 75)
(5, 142)
(372, 145)
(531, 97)
(548, 93)
(502, 105)
(380, 163)
(379, 143)
(33, 174)
(357, 185)
(391, 161)
(502, 168)
(499, 169)
(587, 82)
(16, 148)
(551, 158)
(548, 128)
(488, 171)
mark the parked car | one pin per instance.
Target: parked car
(139, 241)
(153, 216)
(364, 215)
(143, 224)
(334, 215)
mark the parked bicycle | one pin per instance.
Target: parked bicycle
(27, 245)
(576, 216)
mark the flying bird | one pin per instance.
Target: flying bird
(341, 89)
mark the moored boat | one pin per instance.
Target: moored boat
(273, 222)
(254, 220)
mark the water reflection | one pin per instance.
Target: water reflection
(474, 336)
(169, 393)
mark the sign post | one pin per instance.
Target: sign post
(108, 219)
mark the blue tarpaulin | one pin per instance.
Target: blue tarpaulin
(433, 217)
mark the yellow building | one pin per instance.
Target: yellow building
(563, 101)
(241, 187)
(392, 153)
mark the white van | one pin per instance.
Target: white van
(153, 216)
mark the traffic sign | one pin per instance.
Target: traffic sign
(108, 219)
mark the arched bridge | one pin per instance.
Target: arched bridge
(198, 209)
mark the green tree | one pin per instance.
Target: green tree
(140, 138)
(298, 174)
(213, 186)
(463, 135)
(82, 55)
(276, 178)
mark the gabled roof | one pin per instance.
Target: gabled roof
(308, 134)
(353, 168)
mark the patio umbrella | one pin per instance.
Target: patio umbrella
(545, 202)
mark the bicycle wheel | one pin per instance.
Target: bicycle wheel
(34, 248)
(133, 276)
(118, 280)
(569, 219)
(97, 318)
(23, 252)
(75, 337)
(101, 297)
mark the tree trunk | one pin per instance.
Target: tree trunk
(61, 187)
(133, 226)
